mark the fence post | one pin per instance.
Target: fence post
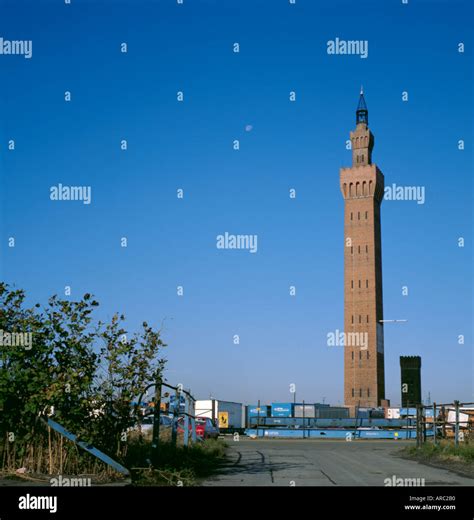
(408, 422)
(435, 440)
(456, 427)
(155, 444)
(186, 421)
(423, 422)
(418, 424)
(258, 415)
(174, 429)
(304, 417)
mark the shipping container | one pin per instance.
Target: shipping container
(253, 410)
(277, 421)
(290, 422)
(225, 414)
(336, 434)
(307, 410)
(465, 415)
(377, 413)
(411, 412)
(282, 410)
(393, 413)
(332, 412)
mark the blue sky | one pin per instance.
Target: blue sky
(188, 145)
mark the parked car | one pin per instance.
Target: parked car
(205, 428)
(147, 422)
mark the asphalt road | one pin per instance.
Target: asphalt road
(324, 463)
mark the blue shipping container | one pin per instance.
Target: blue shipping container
(282, 409)
(255, 411)
(407, 411)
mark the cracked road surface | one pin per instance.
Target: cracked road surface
(267, 462)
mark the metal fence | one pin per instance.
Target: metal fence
(445, 421)
(181, 405)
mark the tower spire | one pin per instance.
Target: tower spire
(362, 114)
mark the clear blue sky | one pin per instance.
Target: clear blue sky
(188, 145)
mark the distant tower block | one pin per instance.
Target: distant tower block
(411, 380)
(362, 187)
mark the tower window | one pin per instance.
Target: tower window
(359, 284)
(353, 392)
(367, 318)
(360, 392)
(352, 355)
(352, 250)
(351, 215)
(366, 215)
(367, 284)
(352, 284)
(362, 160)
(360, 354)
(366, 248)
(360, 318)
(358, 215)
(367, 354)
(352, 318)
(368, 392)
(359, 250)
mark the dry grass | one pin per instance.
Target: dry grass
(176, 465)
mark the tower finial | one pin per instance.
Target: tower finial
(362, 114)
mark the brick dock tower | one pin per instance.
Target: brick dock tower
(362, 187)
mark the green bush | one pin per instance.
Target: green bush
(81, 372)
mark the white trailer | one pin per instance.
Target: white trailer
(225, 414)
